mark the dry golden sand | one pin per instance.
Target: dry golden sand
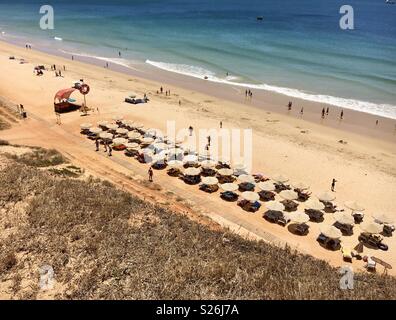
(303, 151)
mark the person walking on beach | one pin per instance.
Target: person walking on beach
(302, 111)
(179, 103)
(209, 139)
(64, 68)
(342, 115)
(150, 174)
(333, 185)
(221, 124)
(323, 113)
(97, 144)
(110, 150)
(162, 90)
(119, 54)
(376, 122)
(327, 111)
(191, 130)
(246, 93)
(289, 106)
(105, 146)
(72, 58)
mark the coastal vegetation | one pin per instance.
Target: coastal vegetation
(104, 243)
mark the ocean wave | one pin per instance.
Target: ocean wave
(385, 110)
(119, 61)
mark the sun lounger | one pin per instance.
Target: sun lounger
(290, 205)
(273, 216)
(208, 188)
(346, 229)
(281, 187)
(246, 186)
(314, 215)
(229, 196)
(266, 195)
(136, 101)
(249, 206)
(358, 217)
(329, 243)
(329, 207)
(388, 230)
(302, 196)
(192, 179)
(373, 240)
(302, 229)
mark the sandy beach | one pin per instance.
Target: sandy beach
(303, 148)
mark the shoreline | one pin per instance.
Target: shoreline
(303, 151)
(357, 122)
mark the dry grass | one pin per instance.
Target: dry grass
(106, 244)
(39, 158)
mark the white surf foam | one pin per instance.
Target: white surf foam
(119, 61)
(385, 110)
(58, 39)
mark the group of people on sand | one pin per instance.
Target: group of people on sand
(107, 147)
(28, 46)
(167, 92)
(248, 93)
(325, 111)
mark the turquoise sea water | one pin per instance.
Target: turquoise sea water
(298, 49)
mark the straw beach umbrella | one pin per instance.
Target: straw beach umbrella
(266, 186)
(275, 206)
(279, 178)
(288, 195)
(326, 197)
(132, 145)
(225, 172)
(246, 178)
(354, 206)
(85, 126)
(122, 131)
(250, 196)
(314, 204)
(344, 218)
(383, 218)
(230, 187)
(210, 181)
(175, 164)
(298, 217)
(147, 140)
(95, 130)
(112, 126)
(300, 186)
(133, 135)
(105, 136)
(119, 141)
(103, 123)
(330, 232)
(191, 159)
(208, 164)
(192, 172)
(371, 227)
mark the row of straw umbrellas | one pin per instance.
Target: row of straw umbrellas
(156, 148)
